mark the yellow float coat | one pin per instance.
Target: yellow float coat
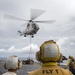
(68, 63)
(50, 69)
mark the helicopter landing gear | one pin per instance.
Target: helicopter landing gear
(34, 32)
(32, 36)
(24, 35)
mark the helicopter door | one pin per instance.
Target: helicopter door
(29, 28)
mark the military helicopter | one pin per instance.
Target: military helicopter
(32, 26)
(31, 29)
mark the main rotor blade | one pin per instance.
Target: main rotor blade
(23, 27)
(48, 21)
(6, 16)
(35, 13)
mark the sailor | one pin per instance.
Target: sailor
(12, 64)
(70, 64)
(49, 54)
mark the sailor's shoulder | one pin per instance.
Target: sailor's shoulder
(9, 73)
(34, 72)
(66, 71)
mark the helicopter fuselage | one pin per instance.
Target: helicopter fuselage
(31, 29)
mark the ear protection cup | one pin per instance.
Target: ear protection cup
(60, 57)
(38, 55)
(19, 64)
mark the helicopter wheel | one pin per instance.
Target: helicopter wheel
(24, 35)
(35, 32)
(32, 36)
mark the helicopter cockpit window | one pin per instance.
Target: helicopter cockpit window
(34, 26)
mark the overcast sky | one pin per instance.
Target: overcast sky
(62, 31)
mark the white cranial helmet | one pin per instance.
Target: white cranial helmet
(12, 62)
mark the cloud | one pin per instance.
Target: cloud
(66, 45)
(14, 51)
(62, 41)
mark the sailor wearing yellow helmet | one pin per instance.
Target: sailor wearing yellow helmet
(12, 64)
(49, 54)
(71, 64)
(71, 59)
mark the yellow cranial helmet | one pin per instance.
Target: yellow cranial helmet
(49, 51)
(71, 57)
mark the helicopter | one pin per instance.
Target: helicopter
(32, 26)
(31, 29)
